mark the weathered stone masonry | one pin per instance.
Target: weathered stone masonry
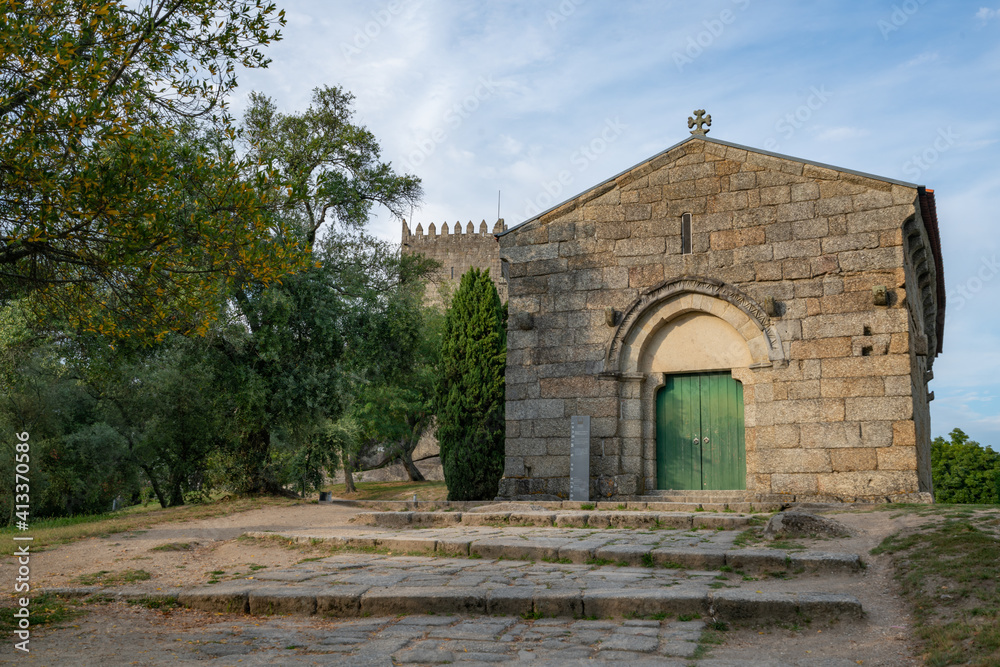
(457, 253)
(783, 288)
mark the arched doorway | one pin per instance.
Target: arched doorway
(688, 353)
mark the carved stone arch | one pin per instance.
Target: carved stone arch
(691, 294)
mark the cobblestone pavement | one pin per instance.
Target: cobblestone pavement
(408, 640)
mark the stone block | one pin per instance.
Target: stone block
(897, 458)
(407, 544)
(875, 259)
(554, 603)
(285, 600)
(886, 408)
(758, 560)
(792, 483)
(641, 246)
(756, 607)
(898, 385)
(398, 600)
(688, 558)
(870, 484)
(225, 599)
(616, 603)
(876, 434)
(893, 364)
(829, 435)
(904, 433)
(340, 601)
(790, 461)
(854, 386)
(845, 460)
(821, 348)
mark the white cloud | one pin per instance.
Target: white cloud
(986, 14)
(923, 58)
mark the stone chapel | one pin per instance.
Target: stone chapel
(730, 319)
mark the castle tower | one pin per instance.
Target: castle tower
(457, 251)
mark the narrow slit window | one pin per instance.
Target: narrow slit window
(686, 234)
(453, 273)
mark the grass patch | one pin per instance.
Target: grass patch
(950, 574)
(587, 506)
(156, 603)
(174, 546)
(52, 532)
(108, 578)
(44, 610)
(598, 561)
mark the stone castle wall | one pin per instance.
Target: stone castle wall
(788, 260)
(457, 251)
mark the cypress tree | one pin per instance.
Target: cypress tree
(470, 390)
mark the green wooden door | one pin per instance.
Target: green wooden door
(699, 433)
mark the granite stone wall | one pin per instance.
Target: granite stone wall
(806, 264)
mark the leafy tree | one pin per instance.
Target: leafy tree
(110, 217)
(964, 471)
(395, 408)
(470, 391)
(162, 403)
(79, 464)
(291, 351)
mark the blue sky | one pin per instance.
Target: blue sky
(476, 97)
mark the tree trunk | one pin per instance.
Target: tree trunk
(348, 473)
(257, 456)
(406, 456)
(156, 487)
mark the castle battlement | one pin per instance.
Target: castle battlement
(457, 251)
(470, 230)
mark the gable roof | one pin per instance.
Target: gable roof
(602, 186)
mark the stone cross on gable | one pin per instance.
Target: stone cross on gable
(701, 120)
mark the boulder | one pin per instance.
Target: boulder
(803, 524)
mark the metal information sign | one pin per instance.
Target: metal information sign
(579, 458)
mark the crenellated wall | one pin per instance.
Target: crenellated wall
(458, 250)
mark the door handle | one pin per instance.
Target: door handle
(696, 440)
(705, 440)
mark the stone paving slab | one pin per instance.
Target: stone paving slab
(663, 548)
(374, 584)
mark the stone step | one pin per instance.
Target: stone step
(653, 503)
(354, 601)
(749, 561)
(599, 519)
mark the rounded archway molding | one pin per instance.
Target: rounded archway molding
(686, 294)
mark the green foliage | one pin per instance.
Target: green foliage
(470, 391)
(964, 471)
(294, 354)
(117, 214)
